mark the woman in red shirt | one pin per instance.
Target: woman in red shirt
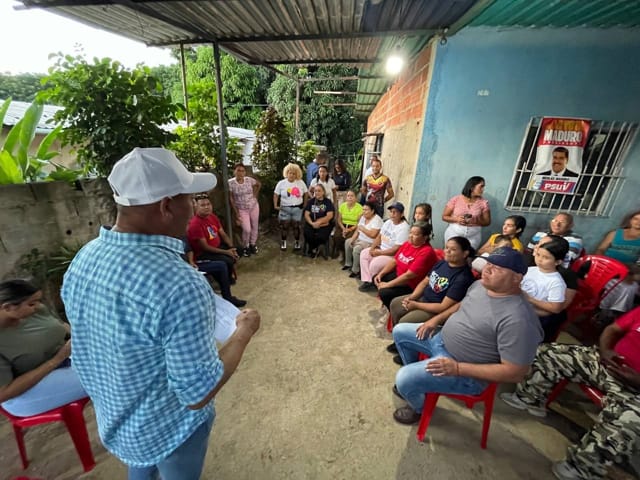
(411, 263)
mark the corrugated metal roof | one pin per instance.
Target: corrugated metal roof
(16, 111)
(272, 32)
(561, 13)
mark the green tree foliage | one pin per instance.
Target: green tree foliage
(22, 87)
(108, 110)
(307, 152)
(198, 145)
(17, 165)
(273, 148)
(337, 128)
(244, 87)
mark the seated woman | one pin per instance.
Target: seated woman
(394, 232)
(35, 372)
(544, 287)
(623, 244)
(411, 263)
(318, 222)
(367, 230)
(446, 285)
(513, 226)
(349, 214)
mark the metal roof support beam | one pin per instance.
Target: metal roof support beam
(351, 77)
(223, 139)
(318, 61)
(329, 36)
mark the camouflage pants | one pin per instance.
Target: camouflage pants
(613, 436)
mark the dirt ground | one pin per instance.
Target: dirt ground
(312, 400)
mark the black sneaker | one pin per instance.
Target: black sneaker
(246, 252)
(237, 302)
(296, 245)
(398, 359)
(253, 249)
(367, 287)
(391, 348)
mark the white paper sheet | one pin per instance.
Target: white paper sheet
(226, 314)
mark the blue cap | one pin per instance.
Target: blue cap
(508, 258)
(397, 205)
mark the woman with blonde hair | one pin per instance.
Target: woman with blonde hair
(289, 198)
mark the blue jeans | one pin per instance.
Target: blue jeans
(413, 380)
(58, 388)
(185, 463)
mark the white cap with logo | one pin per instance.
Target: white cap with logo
(147, 175)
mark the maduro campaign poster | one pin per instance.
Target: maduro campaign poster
(559, 155)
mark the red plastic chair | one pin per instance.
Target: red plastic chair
(71, 415)
(488, 397)
(601, 275)
(593, 393)
(439, 253)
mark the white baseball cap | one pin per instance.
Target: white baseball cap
(147, 175)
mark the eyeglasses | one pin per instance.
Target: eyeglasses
(201, 196)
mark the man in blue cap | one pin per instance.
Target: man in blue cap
(491, 336)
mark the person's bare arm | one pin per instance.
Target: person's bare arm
(390, 192)
(389, 252)
(369, 232)
(24, 382)
(205, 247)
(503, 372)
(230, 354)
(543, 308)
(485, 219)
(307, 217)
(447, 216)
(389, 267)
(605, 243)
(326, 220)
(486, 248)
(191, 259)
(256, 187)
(431, 307)
(427, 327)
(400, 280)
(276, 201)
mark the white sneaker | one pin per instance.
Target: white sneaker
(565, 471)
(283, 245)
(514, 401)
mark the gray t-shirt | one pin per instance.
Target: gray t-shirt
(29, 344)
(490, 329)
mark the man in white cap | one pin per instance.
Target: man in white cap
(143, 323)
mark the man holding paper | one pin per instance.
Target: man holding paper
(144, 323)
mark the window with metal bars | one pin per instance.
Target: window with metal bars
(601, 179)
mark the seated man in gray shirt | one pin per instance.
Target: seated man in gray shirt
(491, 336)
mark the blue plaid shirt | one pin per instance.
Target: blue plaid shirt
(143, 345)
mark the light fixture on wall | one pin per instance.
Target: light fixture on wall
(395, 61)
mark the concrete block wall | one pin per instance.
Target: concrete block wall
(48, 215)
(399, 115)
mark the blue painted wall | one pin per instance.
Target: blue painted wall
(584, 73)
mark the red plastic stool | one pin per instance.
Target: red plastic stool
(488, 397)
(71, 415)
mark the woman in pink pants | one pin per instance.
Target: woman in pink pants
(393, 233)
(243, 195)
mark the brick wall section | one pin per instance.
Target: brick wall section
(405, 100)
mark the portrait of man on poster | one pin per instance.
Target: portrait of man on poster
(559, 161)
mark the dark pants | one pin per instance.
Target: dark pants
(219, 257)
(388, 294)
(551, 324)
(220, 273)
(314, 237)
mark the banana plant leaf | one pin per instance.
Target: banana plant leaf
(28, 131)
(10, 171)
(3, 109)
(43, 152)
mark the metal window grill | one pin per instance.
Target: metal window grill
(599, 183)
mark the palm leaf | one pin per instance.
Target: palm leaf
(28, 131)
